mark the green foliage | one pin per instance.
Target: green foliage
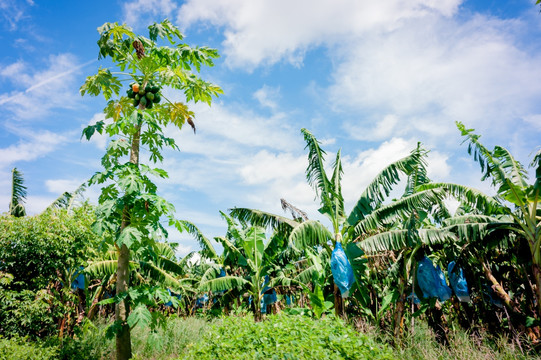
(33, 249)
(462, 345)
(166, 342)
(30, 313)
(381, 186)
(285, 337)
(18, 194)
(40, 253)
(104, 82)
(206, 246)
(19, 349)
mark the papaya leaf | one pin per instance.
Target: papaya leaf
(139, 316)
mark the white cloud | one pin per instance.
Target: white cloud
(382, 129)
(265, 167)
(360, 170)
(534, 120)
(438, 169)
(37, 204)
(35, 146)
(139, 11)
(268, 96)
(268, 31)
(230, 129)
(13, 11)
(43, 90)
(60, 186)
(434, 71)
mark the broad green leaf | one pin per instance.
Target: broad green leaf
(310, 233)
(400, 239)
(223, 283)
(103, 82)
(139, 316)
(129, 236)
(381, 186)
(208, 250)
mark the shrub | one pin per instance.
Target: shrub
(36, 254)
(19, 349)
(35, 248)
(285, 337)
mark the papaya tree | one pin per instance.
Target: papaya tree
(130, 209)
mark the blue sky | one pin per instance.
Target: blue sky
(370, 77)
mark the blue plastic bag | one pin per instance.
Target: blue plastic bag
(266, 280)
(199, 303)
(492, 297)
(269, 295)
(414, 298)
(79, 281)
(432, 281)
(458, 282)
(270, 298)
(290, 300)
(342, 271)
(170, 303)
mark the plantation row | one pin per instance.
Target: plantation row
(388, 262)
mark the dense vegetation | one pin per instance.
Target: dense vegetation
(77, 276)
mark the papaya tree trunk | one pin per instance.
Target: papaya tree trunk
(122, 309)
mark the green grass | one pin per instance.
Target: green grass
(422, 345)
(278, 337)
(462, 345)
(168, 343)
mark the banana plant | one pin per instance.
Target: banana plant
(154, 267)
(18, 194)
(69, 199)
(519, 199)
(368, 216)
(249, 248)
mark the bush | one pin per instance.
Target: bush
(285, 337)
(37, 254)
(19, 349)
(35, 248)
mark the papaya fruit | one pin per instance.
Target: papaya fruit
(149, 96)
(143, 101)
(135, 88)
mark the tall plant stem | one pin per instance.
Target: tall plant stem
(122, 309)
